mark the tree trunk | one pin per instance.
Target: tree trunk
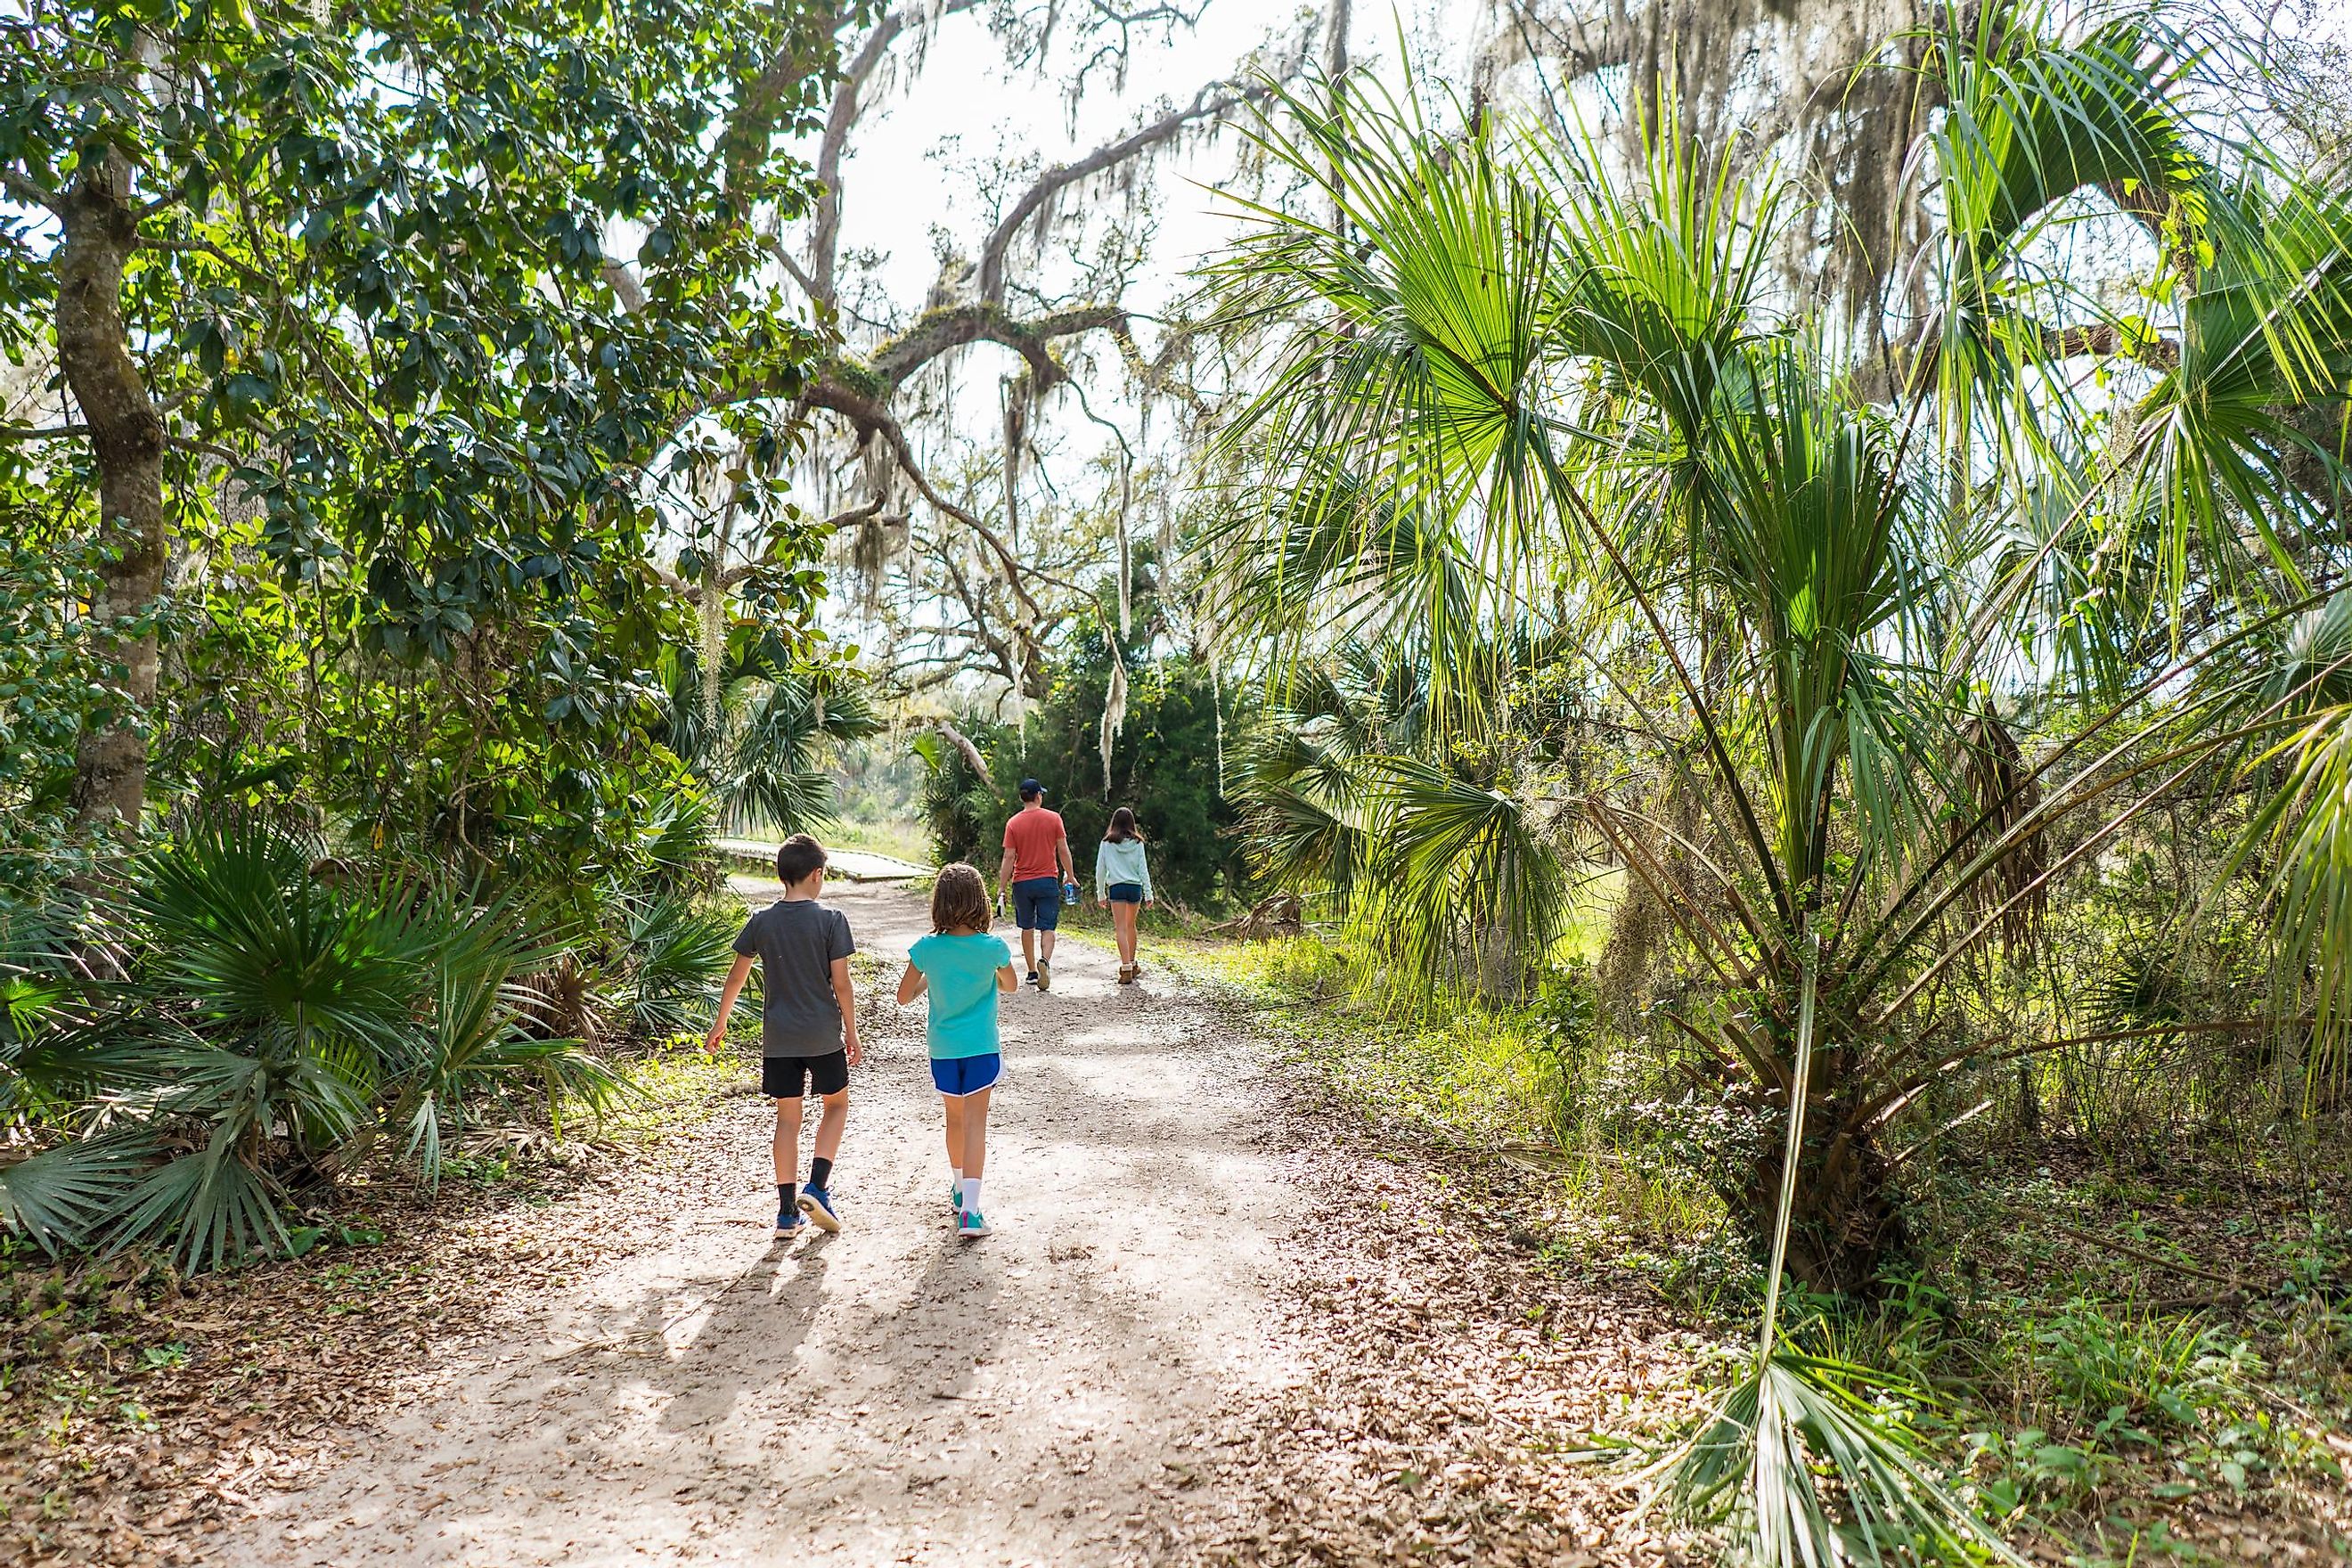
(101, 229)
(1847, 1225)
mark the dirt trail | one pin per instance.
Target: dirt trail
(889, 1395)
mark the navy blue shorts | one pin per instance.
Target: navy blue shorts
(959, 1076)
(1038, 904)
(1126, 892)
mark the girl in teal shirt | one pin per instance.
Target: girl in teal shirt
(964, 969)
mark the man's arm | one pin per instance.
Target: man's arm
(845, 996)
(1004, 872)
(1069, 865)
(735, 978)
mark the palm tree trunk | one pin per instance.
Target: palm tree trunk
(1845, 1225)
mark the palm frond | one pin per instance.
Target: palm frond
(678, 953)
(211, 1206)
(1754, 1471)
(61, 1198)
(1466, 882)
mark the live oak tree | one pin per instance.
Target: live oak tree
(911, 493)
(325, 290)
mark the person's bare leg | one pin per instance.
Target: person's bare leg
(1029, 949)
(1046, 945)
(833, 1118)
(1122, 925)
(788, 1140)
(975, 1133)
(955, 1134)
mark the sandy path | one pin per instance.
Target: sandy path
(1046, 1395)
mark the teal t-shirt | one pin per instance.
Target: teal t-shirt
(962, 971)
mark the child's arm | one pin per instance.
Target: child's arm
(845, 996)
(735, 978)
(911, 984)
(1007, 981)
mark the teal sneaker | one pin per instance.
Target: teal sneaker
(969, 1225)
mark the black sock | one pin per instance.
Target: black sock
(821, 1174)
(784, 1197)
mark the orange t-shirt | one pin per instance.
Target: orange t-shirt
(1030, 836)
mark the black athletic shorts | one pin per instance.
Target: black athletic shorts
(791, 1078)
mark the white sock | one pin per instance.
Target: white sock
(957, 1172)
(970, 1186)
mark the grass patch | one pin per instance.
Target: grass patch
(898, 840)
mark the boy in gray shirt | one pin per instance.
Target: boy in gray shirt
(808, 1036)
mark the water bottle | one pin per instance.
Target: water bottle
(1070, 894)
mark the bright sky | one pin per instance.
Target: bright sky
(918, 161)
(915, 157)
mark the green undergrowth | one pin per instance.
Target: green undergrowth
(1508, 1083)
(1462, 1070)
(2127, 1366)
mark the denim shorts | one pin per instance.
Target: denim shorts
(959, 1076)
(1126, 892)
(1038, 904)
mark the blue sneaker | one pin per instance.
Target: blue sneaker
(955, 1197)
(817, 1204)
(969, 1225)
(789, 1223)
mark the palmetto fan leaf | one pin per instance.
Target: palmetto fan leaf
(273, 1019)
(236, 926)
(1406, 363)
(2308, 824)
(473, 1039)
(676, 840)
(62, 1197)
(679, 951)
(1755, 1466)
(213, 1205)
(1335, 556)
(2266, 328)
(759, 755)
(2032, 118)
(1466, 881)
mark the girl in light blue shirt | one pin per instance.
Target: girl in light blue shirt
(1123, 882)
(965, 969)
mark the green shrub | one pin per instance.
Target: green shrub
(2151, 1370)
(273, 1011)
(1164, 766)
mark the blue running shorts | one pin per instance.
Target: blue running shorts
(959, 1076)
(1038, 904)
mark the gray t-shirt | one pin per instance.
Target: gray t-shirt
(796, 941)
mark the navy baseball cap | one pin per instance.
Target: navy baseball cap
(1030, 787)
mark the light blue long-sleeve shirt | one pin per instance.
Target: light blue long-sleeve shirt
(1117, 863)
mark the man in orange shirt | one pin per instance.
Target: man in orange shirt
(1036, 862)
